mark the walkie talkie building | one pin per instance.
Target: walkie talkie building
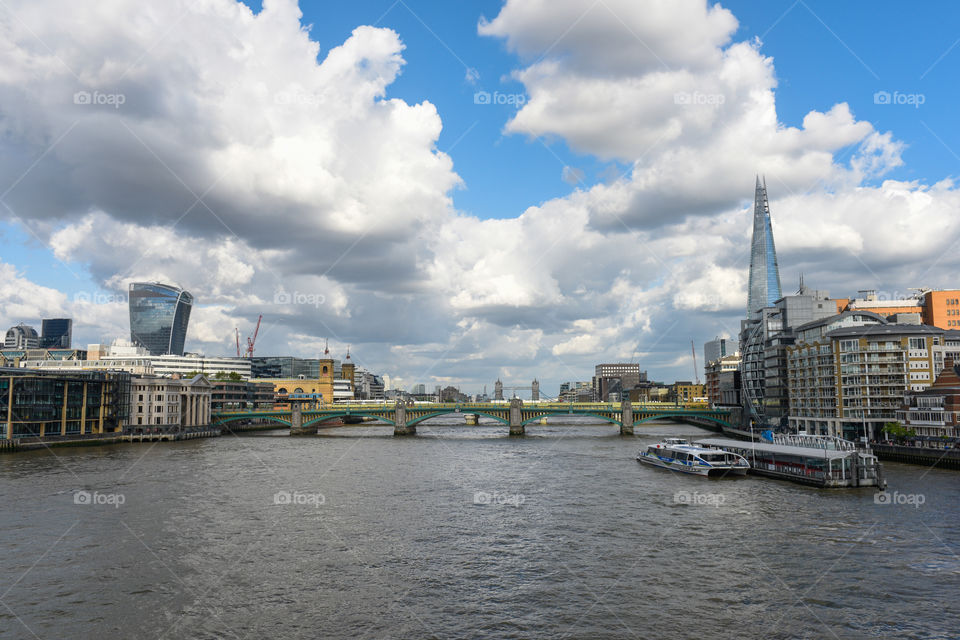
(159, 314)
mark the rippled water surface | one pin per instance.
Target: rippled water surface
(462, 532)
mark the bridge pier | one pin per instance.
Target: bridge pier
(296, 422)
(626, 417)
(400, 426)
(516, 417)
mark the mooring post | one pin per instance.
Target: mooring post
(626, 417)
(516, 417)
(400, 426)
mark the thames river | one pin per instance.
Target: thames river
(462, 532)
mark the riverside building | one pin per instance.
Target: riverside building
(934, 413)
(168, 405)
(850, 380)
(51, 404)
(330, 384)
(723, 374)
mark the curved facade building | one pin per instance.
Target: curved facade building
(159, 314)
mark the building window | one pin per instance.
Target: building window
(849, 345)
(918, 343)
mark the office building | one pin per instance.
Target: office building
(123, 355)
(616, 379)
(936, 307)
(764, 282)
(723, 373)
(328, 385)
(56, 333)
(367, 386)
(232, 395)
(685, 391)
(168, 405)
(159, 315)
(581, 391)
(718, 348)
(21, 337)
(51, 404)
(17, 358)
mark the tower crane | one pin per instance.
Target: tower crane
(252, 340)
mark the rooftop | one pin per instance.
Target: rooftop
(885, 330)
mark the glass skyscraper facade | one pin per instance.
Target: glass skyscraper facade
(56, 333)
(764, 271)
(159, 315)
(762, 322)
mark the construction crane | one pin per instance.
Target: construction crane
(696, 372)
(252, 340)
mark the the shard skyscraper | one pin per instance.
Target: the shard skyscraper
(759, 325)
(764, 272)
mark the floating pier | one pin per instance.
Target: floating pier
(835, 463)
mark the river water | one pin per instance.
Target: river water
(462, 532)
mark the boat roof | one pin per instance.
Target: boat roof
(807, 452)
(689, 448)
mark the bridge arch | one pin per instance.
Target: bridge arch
(419, 419)
(223, 420)
(604, 418)
(362, 414)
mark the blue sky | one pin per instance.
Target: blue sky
(825, 52)
(541, 288)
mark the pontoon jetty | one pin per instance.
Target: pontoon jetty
(822, 461)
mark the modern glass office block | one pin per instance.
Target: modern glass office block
(159, 315)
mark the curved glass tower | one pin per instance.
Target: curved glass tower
(159, 314)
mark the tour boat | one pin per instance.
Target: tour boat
(677, 454)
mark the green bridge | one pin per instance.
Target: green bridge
(304, 418)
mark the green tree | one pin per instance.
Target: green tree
(897, 431)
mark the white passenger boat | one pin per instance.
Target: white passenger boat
(677, 454)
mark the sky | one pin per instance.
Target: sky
(466, 191)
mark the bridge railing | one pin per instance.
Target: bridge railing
(467, 406)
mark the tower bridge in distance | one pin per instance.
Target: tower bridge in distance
(404, 417)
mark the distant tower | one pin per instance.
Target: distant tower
(764, 272)
(498, 390)
(326, 348)
(348, 369)
(535, 390)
